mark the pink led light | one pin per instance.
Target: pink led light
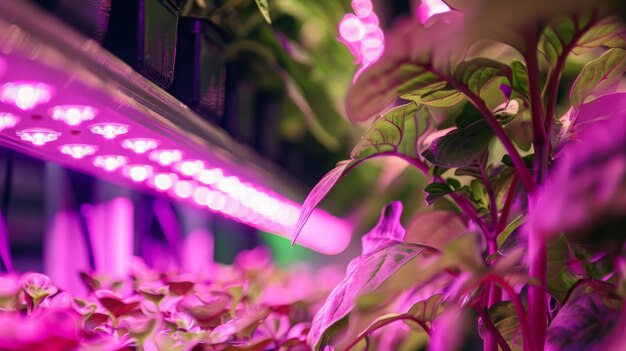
(374, 36)
(140, 145)
(165, 157)
(109, 162)
(164, 181)
(429, 8)
(137, 173)
(200, 195)
(8, 120)
(109, 130)
(190, 167)
(183, 189)
(73, 115)
(38, 136)
(362, 8)
(209, 176)
(25, 95)
(351, 28)
(78, 151)
(216, 200)
(228, 184)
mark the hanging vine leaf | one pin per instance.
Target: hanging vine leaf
(597, 75)
(264, 8)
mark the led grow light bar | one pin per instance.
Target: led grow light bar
(65, 99)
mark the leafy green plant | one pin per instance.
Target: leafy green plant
(470, 98)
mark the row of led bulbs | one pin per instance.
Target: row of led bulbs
(228, 196)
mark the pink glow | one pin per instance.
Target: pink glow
(140, 145)
(190, 167)
(165, 157)
(38, 136)
(73, 115)
(374, 36)
(216, 200)
(25, 95)
(78, 151)
(362, 8)
(164, 181)
(209, 176)
(351, 28)
(138, 173)
(109, 130)
(8, 120)
(228, 184)
(109, 162)
(429, 8)
(200, 195)
(183, 189)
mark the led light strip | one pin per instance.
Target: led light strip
(91, 112)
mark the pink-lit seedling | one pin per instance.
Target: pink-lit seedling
(109, 130)
(8, 120)
(164, 181)
(166, 157)
(38, 136)
(137, 173)
(109, 163)
(78, 151)
(190, 167)
(73, 115)
(140, 145)
(25, 95)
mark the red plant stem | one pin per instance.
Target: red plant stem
(493, 331)
(506, 208)
(519, 309)
(389, 321)
(537, 250)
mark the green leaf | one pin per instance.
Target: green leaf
(580, 34)
(504, 317)
(598, 75)
(395, 132)
(519, 78)
(459, 147)
(585, 320)
(317, 194)
(264, 9)
(477, 73)
(399, 132)
(528, 160)
(502, 238)
(436, 191)
(454, 183)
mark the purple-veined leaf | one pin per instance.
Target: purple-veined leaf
(459, 147)
(435, 228)
(477, 73)
(583, 322)
(505, 319)
(598, 75)
(384, 254)
(399, 132)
